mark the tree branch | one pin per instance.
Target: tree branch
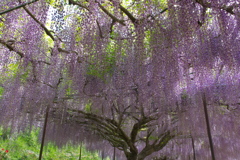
(110, 15)
(137, 126)
(108, 126)
(100, 31)
(40, 23)
(130, 16)
(163, 140)
(228, 9)
(164, 10)
(11, 47)
(111, 27)
(40, 61)
(20, 6)
(149, 133)
(78, 4)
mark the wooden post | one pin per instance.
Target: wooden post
(193, 147)
(102, 155)
(114, 153)
(80, 154)
(44, 132)
(208, 125)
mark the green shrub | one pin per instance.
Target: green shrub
(26, 146)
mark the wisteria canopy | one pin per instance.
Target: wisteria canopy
(153, 79)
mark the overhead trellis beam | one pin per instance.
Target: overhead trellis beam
(17, 7)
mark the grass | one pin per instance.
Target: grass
(26, 146)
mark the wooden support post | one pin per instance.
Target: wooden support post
(44, 132)
(193, 147)
(80, 154)
(102, 155)
(208, 125)
(114, 153)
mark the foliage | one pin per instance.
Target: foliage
(3, 154)
(105, 67)
(1, 91)
(25, 145)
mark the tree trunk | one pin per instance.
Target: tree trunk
(132, 156)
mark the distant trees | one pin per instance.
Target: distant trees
(130, 72)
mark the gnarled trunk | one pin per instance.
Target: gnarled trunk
(132, 156)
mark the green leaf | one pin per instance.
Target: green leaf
(88, 107)
(1, 91)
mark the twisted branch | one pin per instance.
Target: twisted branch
(11, 47)
(20, 6)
